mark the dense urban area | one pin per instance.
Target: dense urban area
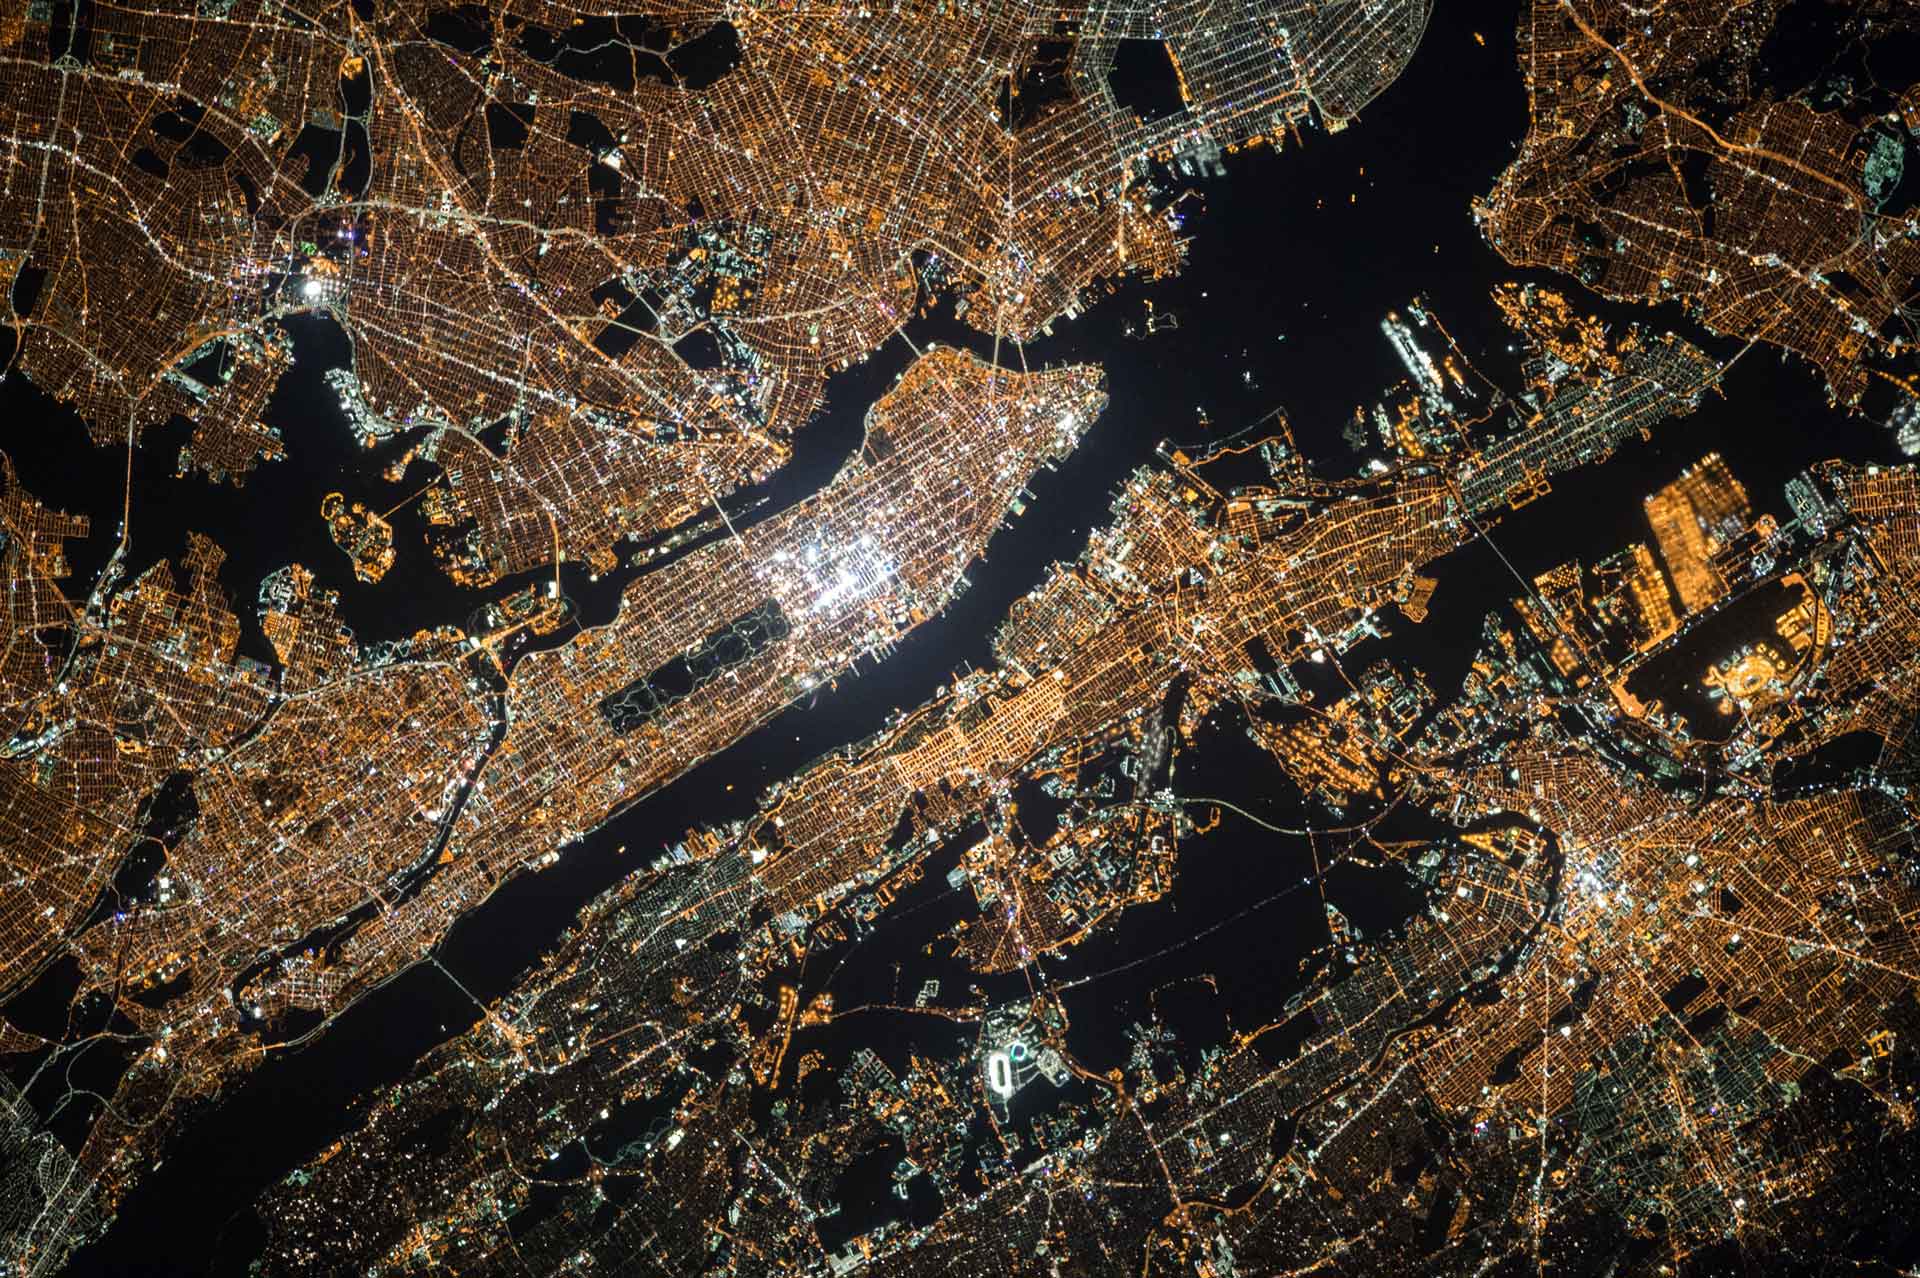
(1472, 834)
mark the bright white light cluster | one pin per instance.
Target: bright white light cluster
(837, 576)
(1000, 1068)
(1417, 361)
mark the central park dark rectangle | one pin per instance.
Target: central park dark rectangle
(743, 638)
